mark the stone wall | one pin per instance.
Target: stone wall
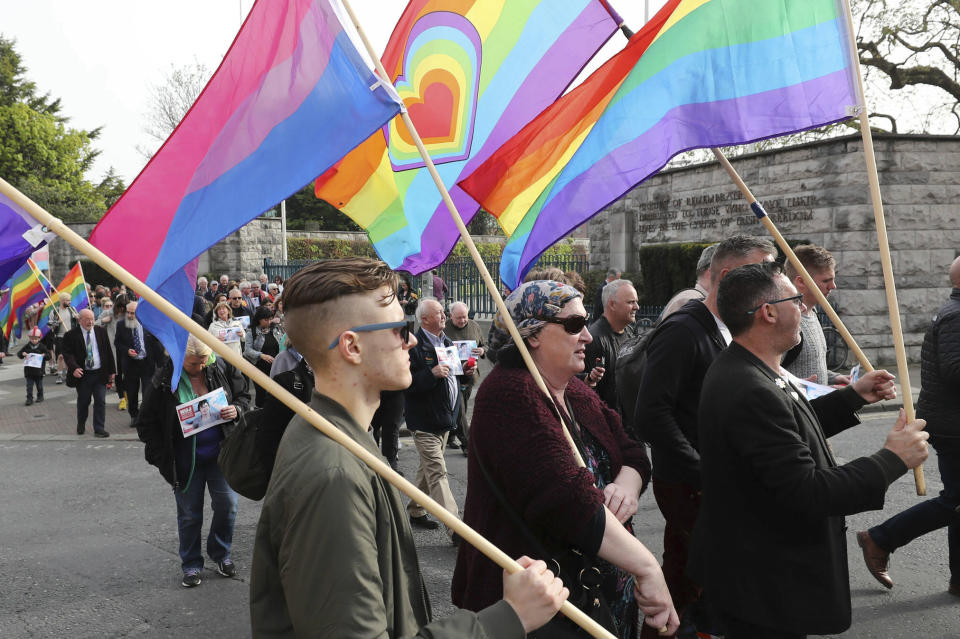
(239, 255)
(818, 192)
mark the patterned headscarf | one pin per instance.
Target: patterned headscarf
(526, 305)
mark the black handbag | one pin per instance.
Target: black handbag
(240, 460)
(574, 568)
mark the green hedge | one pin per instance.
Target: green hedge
(317, 249)
(667, 268)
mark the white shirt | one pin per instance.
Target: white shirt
(724, 331)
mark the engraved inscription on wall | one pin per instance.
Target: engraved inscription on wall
(720, 210)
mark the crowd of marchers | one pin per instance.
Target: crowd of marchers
(708, 409)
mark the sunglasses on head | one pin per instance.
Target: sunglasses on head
(572, 324)
(406, 328)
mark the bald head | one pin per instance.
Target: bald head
(86, 318)
(955, 273)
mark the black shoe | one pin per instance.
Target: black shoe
(29, 402)
(464, 450)
(424, 522)
(101, 434)
(455, 539)
(81, 430)
(226, 568)
(191, 578)
(133, 423)
(954, 589)
(39, 398)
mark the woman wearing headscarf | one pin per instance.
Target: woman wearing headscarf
(522, 468)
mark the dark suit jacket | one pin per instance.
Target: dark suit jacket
(124, 342)
(75, 352)
(427, 401)
(769, 544)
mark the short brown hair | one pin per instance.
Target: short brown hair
(813, 258)
(326, 281)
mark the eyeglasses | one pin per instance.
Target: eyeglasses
(572, 324)
(796, 299)
(406, 328)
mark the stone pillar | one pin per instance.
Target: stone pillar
(621, 239)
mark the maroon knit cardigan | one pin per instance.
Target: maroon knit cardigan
(519, 439)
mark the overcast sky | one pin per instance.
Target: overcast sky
(102, 56)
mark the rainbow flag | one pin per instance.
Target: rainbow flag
(25, 289)
(74, 284)
(701, 73)
(292, 96)
(7, 318)
(471, 73)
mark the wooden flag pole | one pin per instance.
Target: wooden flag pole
(467, 240)
(377, 464)
(41, 278)
(889, 283)
(782, 243)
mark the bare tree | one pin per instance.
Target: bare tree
(915, 44)
(170, 100)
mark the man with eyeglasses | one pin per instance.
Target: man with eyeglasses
(769, 546)
(667, 409)
(333, 554)
(237, 305)
(432, 403)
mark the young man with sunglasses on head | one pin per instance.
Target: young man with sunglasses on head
(334, 555)
(769, 545)
(432, 404)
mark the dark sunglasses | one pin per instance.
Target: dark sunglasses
(406, 328)
(796, 299)
(572, 324)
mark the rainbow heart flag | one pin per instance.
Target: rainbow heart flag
(25, 290)
(701, 73)
(471, 73)
(292, 96)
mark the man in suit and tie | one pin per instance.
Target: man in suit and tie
(769, 544)
(137, 349)
(90, 369)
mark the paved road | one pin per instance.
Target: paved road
(88, 540)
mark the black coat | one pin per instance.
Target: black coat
(123, 340)
(158, 427)
(669, 396)
(769, 545)
(604, 345)
(939, 401)
(74, 351)
(427, 401)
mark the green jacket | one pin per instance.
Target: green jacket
(334, 554)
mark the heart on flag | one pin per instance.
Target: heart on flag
(439, 85)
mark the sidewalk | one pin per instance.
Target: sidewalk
(54, 419)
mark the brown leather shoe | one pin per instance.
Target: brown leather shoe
(876, 558)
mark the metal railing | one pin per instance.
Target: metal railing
(465, 284)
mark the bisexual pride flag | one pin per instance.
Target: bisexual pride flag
(293, 95)
(701, 73)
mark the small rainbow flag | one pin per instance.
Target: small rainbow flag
(471, 73)
(74, 284)
(7, 318)
(701, 73)
(25, 289)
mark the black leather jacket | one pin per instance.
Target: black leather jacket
(939, 401)
(427, 401)
(605, 347)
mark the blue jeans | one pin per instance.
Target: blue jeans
(223, 499)
(933, 514)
